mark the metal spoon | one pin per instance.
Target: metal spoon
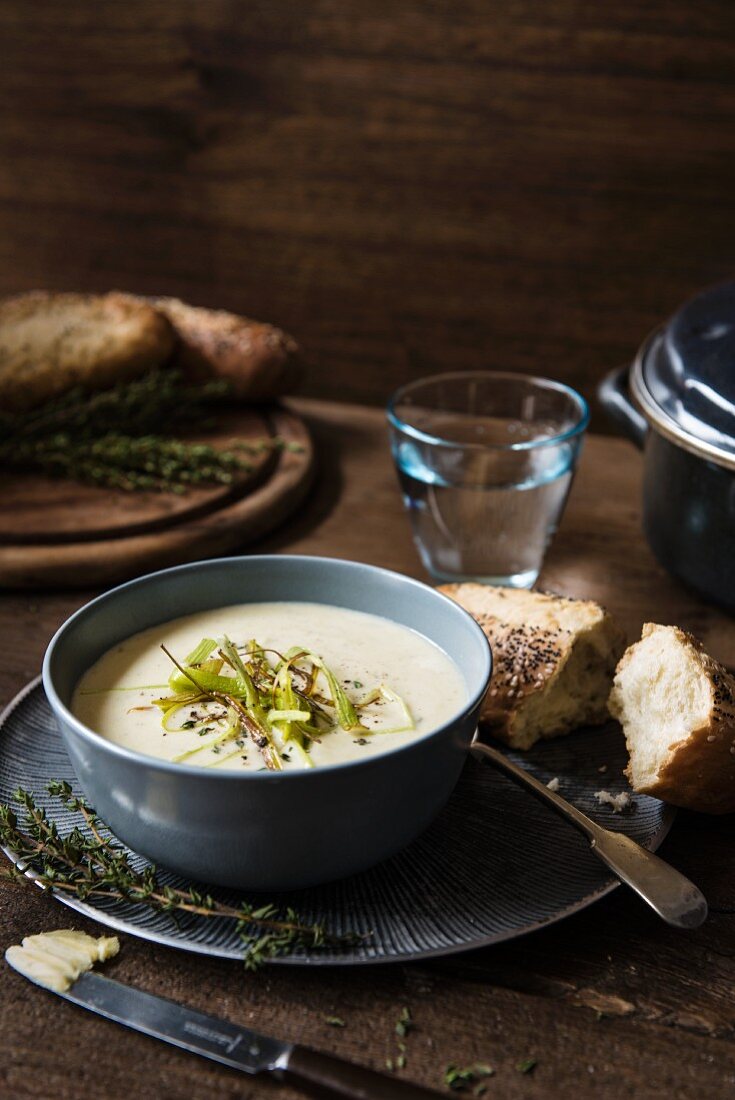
(666, 890)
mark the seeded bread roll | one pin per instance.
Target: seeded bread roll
(260, 362)
(676, 705)
(553, 660)
(51, 342)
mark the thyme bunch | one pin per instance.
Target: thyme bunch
(114, 437)
(135, 407)
(87, 863)
(127, 462)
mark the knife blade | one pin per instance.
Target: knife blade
(232, 1045)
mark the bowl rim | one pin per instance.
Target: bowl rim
(87, 734)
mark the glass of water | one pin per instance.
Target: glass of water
(486, 460)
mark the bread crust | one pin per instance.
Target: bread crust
(52, 341)
(698, 772)
(533, 636)
(260, 362)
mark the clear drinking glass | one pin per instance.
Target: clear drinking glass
(486, 460)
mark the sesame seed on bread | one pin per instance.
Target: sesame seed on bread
(553, 660)
(676, 705)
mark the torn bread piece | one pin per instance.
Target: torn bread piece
(258, 361)
(50, 342)
(676, 705)
(553, 660)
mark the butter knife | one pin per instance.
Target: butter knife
(235, 1046)
(669, 893)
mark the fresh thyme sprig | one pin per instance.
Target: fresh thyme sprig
(114, 437)
(118, 461)
(87, 863)
(136, 407)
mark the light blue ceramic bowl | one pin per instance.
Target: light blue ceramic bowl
(266, 830)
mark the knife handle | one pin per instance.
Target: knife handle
(309, 1067)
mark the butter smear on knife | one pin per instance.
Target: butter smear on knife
(56, 959)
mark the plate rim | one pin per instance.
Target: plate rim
(121, 925)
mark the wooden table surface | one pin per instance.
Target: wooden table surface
(610, 1003)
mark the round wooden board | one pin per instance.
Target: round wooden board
(36, 509)
(100, 536)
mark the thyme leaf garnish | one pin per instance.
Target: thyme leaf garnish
(404, 1023)
(88, 863)
(113, 437)
(458, 1078)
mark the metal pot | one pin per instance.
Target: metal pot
(677, 403)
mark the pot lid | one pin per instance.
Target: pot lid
(684, 377)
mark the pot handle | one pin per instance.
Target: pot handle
(613, 394)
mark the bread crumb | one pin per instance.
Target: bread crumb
(619, 802)
(603, 768)
(553, 784)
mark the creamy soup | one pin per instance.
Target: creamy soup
(270, 686)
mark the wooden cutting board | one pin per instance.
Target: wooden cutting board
(57, 532)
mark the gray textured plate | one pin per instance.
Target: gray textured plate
(494, 865)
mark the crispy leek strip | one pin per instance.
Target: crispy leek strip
(293, 721)
(171, 711)
(232, 697)
(297, 700)
(346, 713)
(258, 666)
(168, 702)
(288, 715)
(232, 732)
(208, 678)
(133, 687)
(242, 676)
(224, 759)
(256, 712)
(383, 692)
(207, 681)
(200, 654)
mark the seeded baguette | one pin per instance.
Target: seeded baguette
(553, 660)
(51, 342)
(676, 705)
(259, 361)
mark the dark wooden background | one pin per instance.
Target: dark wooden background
(408, 187)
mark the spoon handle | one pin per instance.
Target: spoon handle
(666, 890)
